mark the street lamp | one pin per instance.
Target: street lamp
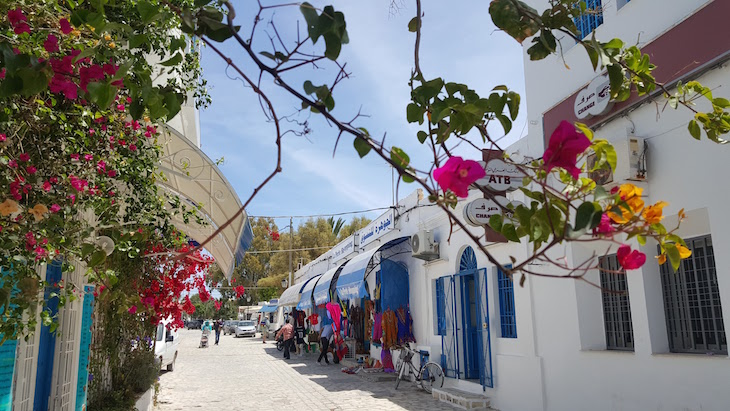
(291, 234)
(283, 283)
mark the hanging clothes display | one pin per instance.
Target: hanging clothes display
(357, 323)
(314, 321)
(405, 326)
(369, 320)
(390, 329)
(336, 315)
(378, 328)
(387, 360)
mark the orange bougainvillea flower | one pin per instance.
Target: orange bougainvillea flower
(39, 212)
(653, 213)
(684, 252)
(631, 194)
(661, 258)
(8, 207)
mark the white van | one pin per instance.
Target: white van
(166, 343)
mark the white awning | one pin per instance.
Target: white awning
(191, 175)
(291, 296)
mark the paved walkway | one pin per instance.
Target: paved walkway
(244, 374)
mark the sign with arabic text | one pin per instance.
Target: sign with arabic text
(377, 228)
(500, 176)
(593, 100)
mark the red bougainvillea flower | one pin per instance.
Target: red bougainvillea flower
(51, 43)
(217, 305)
(22, 28)
(275, 236)
(188, 306)
(630, 260)
(65, 26)
(204, 294)
(31, 169)
(12, 164)
(132, 309)
(239, 291)
(16, 16)
(24, 157)
(604, 227)
(566, 144)
(457, 174)
(61, 84)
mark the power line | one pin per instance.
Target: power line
(286, 251)
(322, 215)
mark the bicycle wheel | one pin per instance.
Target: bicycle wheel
(432, 376)
(399, 373)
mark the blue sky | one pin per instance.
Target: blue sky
(459, 43)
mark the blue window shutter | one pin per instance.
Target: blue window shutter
(591, 19)
(440, 306)
(506, 305)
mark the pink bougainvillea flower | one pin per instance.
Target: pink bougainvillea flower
(457, 174)
(87, 74)
(3, 137)
(55, 208)
(40, 253)
(88, 157)
(630, 260)
(47, 186)
(2, 73)
(217, 305)
(24, 157)
(16, 16)
(62, 84)
(120, 107)
(75, 157)
(65, 26)
(101, 166)
(132, 309)
(566, 144)
(51, 43)
(92, 131)
(31, 169)
(77, 183)
(150, 301)
(111, 173)
(604, 227)
(133, 147)
(72, 198)
(12, 164)
(22, 28)
(110, 69)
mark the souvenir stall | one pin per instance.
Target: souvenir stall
(374, 292)
(302, 314)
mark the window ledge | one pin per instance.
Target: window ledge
(604, 351)
(689, 355)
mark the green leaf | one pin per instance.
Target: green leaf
(422, 136)
(514, 105)
(721, 102)
(136, 40)
(506, 123)
(495, 222)
(10, 86)
(507, 17)
(148, 11)
(87, 249)
(333, 44)
(362, 146)
(34, 81)
(508, 230)
(173, 104)
(399, 157)
(89, 51)
(673, 255)
(414, 113)
(98, 257)
(312, 19)
(413, 24)
(694, 129)
(173, 61)
(588, 216)
(102, 93)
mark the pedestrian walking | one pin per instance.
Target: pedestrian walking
(287, 331)
(264, 329)
(324, 342)
(217, 325)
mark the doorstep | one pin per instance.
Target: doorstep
(461, 399)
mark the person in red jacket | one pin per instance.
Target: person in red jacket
(287, 331)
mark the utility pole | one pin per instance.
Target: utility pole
(291, 273)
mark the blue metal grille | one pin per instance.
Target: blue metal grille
(468, 260)
(506, 305)
(590, 19)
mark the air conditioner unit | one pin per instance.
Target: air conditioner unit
(424, 247)
(630, 162)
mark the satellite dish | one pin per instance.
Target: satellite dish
(106, 244)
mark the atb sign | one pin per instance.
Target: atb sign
(500, 176)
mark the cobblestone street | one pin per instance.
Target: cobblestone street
(244, 374)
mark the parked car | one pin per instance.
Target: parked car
(194, 324)
(166, 346)
(246, 328)
(229, 327)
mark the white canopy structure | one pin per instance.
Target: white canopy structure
(191, 175)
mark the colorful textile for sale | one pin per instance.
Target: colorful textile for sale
(369, 320)
(357, 323)
(387, 360)
(390, 329)
(405, 326)
(378, 328)
(335, 314)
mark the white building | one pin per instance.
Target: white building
(557, 344)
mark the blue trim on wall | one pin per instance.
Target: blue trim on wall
(84, 344)
(47, 344)
(507, 319)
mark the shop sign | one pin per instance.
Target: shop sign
(377, 228)
(344, 248)
(593, 100)
(479, 211)
(500, 176)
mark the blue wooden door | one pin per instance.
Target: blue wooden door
(484, 335)
(47, 344)
(446, 295)
(470, 330)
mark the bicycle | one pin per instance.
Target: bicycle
(430, 375)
